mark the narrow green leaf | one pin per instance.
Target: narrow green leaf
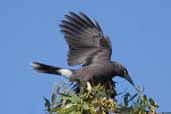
(69, 109)
(132, 98)
(75, 98)
(53, 98)
(126, 99)
(47, 104)
(151, 101)
(144, 99)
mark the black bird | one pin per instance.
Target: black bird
(87, 47)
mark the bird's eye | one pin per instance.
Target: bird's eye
(125, 72)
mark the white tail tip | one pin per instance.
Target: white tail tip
(34, 65)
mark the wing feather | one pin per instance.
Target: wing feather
(85, 39)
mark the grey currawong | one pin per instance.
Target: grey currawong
(87, 47)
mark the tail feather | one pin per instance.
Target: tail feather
(45, 68)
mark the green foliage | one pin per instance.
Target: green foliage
(98, 101)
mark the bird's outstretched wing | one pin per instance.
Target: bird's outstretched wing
(87, 44)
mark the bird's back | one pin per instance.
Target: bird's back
(97, 72)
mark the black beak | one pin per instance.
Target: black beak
(128, 78)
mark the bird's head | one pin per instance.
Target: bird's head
(122, 72)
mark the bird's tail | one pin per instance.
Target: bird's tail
(51, 69)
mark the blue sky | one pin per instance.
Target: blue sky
(139, 31)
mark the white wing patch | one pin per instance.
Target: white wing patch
(65, 72)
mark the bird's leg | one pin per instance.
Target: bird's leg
(89, 87)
